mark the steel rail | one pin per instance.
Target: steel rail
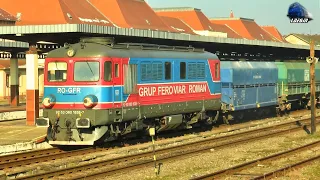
(38, 156)
(48, 157)
(282, 171)
(249, 164)
(102, 164)
(6, 159)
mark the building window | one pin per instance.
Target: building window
(183, 70)
(107, 71)
(8, 80)
(167, 70)
(21, 80)
(57, 71)
(86, 71)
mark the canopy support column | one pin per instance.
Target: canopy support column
(14, 79)
(32, 85)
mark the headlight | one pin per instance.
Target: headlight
(90, 101)
(48, 102)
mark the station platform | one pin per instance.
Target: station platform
(16, 136)
(8, 113)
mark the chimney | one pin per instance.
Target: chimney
(231, 14)
(18, 16)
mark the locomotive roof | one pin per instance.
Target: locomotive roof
(102, 50)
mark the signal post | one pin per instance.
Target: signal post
(312, 61)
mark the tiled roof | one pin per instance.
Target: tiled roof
(131, 14)
(274, 32)
(135, 14)
(177, 24)
(247, 28)
(226, 29)
(191, 16)
(5, 16)
(54, 12)
(308, 38)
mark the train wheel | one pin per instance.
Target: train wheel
(286, 113)
(241, 116)
(279, 112)
(225, 119)
(307, 107)
(260, 113)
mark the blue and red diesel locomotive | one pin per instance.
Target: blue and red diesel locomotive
(96, 90)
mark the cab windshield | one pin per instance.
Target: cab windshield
(57, 71)
(86, 71)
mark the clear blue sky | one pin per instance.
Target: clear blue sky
(265, 12)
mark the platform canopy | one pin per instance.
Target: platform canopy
(128, 21)
(71, 33)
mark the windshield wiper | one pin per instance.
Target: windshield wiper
(90, 68)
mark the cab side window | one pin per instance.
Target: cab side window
(107, 71)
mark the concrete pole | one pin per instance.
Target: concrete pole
(312, 88)
(32, 85)
(14, 79)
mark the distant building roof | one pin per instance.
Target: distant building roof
(5, 16)
(247, 28)
(177, 24)
(272, 30)
(131, 14)
(55, 12)
(307, 38)
(176, 9)
(192, 16)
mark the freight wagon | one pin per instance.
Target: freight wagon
(248, 87)
(294, 85)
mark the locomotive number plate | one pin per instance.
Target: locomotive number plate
(69, 112)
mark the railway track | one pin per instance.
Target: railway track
(11, 161)
(121, 164)
(283, 171)
(8, 161)
(236, 170)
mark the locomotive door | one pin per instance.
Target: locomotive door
(117, 81)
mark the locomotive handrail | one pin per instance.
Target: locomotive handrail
(144, 46)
